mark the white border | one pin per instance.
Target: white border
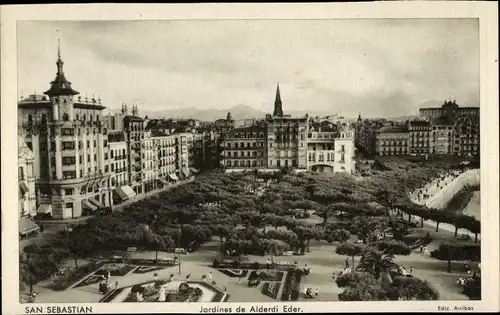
(485, 11)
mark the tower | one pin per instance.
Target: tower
(278, 106)
(61, 93)
(135, 111)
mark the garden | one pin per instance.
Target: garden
(362, 218)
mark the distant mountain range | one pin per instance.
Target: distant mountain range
(245, 112)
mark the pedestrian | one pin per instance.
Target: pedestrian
(268, 264)
(411, 269)
(210, 276)
(347, 262)
(116, 284)
(188, 275)
(316, 292)
(41, 228)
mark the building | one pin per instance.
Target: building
(330, 147)
(392, 140)
(26, 178)
(281, 141)
(448, 109)
(455, 129)
(119, 167)
(420, 138)
(286, 138)
(223, 126)
(135, 133)
(165, 147)
(69, 141)
(365, 134)
(244, 148)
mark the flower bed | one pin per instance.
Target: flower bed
(146, 269)
(292, 285)
(153, 262)
(266, 275)
(110, 296)
(234, 273)
(90, 280)
(271, 289)
(115, 270)
(75, 276)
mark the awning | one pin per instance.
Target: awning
(164, 182)
(27, 226)
(125, 193)
(96, 203)
(44, 208)
(24, 187)
(194, 170)
(185, 171)
(86, 204)
(173, 177)
(128, 190)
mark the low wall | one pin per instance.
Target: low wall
(444, 196)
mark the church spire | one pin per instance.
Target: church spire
(59, 62)
(278, 106)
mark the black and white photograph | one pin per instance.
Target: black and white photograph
(261, 161)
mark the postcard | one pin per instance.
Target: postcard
(250, 158)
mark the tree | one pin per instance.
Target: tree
(475, 227)
(411, 288)
(365, 227)
(439, 217)
(350, 250)
(393, 247)
(472, 289)
(351, 279)
(79, 245)
(376, 262)
(157, 243)
(341, 235)
(37, 264)
(222, 231)
(460, 221)
(363, 291)
(455, 252)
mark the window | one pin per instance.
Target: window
(88, 159)
(106, 156)
(105, 142)
(30, 119)
(65, 117)
(21, 173)
(68, 191)
(69, 205)
(69, 174)
(278, 163)
(68, 145)
(95, 157)
(111, 153)
(67, 131)
(44, 119)
(77, 117)
(68, 160)
(106, 169)
(95, 143)
(228, 163)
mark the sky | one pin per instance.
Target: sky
(376, 67)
